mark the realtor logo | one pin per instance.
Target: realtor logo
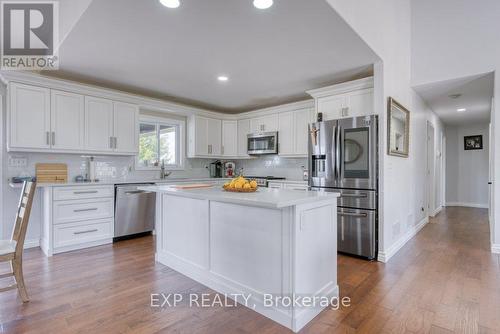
(29, 35)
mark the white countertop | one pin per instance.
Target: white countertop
(125, 181)
(263, 197)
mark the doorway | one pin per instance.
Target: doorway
(431, 170)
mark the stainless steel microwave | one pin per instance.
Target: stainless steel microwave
(262, 143)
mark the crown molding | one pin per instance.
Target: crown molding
(307, 104)
(341, 88)
(143, 102)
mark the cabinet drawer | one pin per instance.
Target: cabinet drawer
(75, 233)
(70, 211)
(82, 192)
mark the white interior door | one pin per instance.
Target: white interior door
(67, 119)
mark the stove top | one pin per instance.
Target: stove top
(266, 177)
(263, 181)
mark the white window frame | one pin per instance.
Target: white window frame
(181, 140)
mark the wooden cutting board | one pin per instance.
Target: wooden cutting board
(51, 173)
(193, 186)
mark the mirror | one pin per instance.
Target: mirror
(398, 132)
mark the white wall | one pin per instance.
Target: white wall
(385, 26)
(458, 38)
(467, 171)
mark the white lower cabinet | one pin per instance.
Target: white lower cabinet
(77, 217)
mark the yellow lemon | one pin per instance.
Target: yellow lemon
(253, 184)
(238, 185)
(247, 186)
(227, 184)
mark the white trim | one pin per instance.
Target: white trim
(306, 104)
(31, 243)
(386, 256)
(341, 88)
(468, 205)
(495, 248)
(230, 287)
(435, 212)
(181, 125)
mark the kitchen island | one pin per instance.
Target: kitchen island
(267, 246)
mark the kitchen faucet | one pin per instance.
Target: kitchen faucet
(163, 173)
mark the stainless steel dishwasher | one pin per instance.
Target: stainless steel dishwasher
(134, 210)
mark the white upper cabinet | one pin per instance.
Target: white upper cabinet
(67, 119)
(214, 137)
(51, 120)
(268, 123)
(125, 127)
(243, 131)
(286, 136)
(205, 137)
(29, 117)
(98, 124)
(302, 119)
(229, 138)
(348, 99)
(360, 103)
(332, 107)
(293, 132)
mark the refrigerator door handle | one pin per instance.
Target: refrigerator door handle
(338, 145)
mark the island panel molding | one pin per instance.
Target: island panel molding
(260, 247)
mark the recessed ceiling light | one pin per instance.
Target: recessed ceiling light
(170, 3)
(222, 78)
(454, 96)
(461, 109)
(262, 4)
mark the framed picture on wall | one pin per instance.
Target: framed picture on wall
(473, 142)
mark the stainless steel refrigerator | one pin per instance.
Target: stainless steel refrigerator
(343, 157)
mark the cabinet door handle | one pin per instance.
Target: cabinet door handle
(47, 137)
(115, 142)
(110, 142)
(87, 231)
(84, 210)
(53, 137)
(85, 192)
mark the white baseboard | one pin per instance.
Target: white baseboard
(385, 256)
(435, 212)
(495, 248)
(468, 205)
(31, 243)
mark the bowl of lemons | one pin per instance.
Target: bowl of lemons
(240, 184)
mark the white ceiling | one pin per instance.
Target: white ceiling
(271, 56)
(476, 93)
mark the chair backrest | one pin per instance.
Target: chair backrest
(23, 215)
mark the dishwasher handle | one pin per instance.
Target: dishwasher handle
(137, 192)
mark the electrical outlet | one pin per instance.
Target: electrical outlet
(18, 162)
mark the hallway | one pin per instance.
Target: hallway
(444, 280)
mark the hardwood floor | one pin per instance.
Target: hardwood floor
(444, 280)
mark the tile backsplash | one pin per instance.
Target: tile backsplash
(122, 167)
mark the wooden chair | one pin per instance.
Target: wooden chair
(12, 250)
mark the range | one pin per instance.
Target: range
(263, 181)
